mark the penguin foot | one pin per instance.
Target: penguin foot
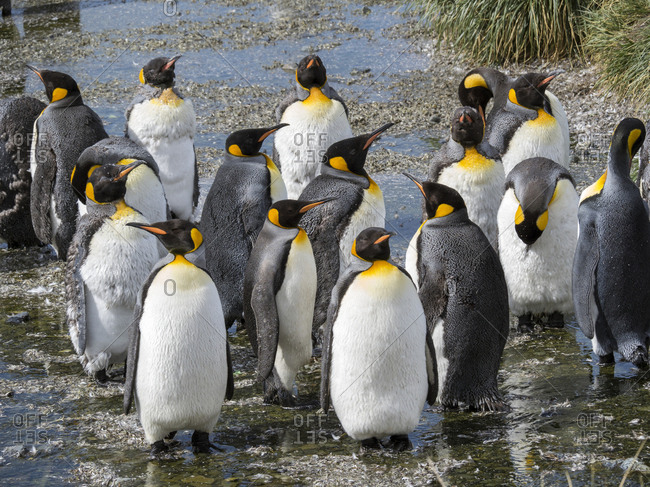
(399, 443)
(639, 357)
(370, 444)
(201, 442)
(606, 359)
(555, 320)
(101, 377)
(526, 324)
(158, 447)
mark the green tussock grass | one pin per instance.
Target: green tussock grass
(508, 31)
(619, 42)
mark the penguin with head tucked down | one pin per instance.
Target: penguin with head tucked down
(463, 290)
(244, 188)
(612, 258)
(538, 226)
(526, 120)
(179, 369)
(144, 190)
(332, 228)
(162, 121)
(17, 116)
(62, 132)
(279, 294)
(472, 168)
(107, 264)
(317, 117)
(378, 367)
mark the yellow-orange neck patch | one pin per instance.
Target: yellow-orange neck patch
(595, 188)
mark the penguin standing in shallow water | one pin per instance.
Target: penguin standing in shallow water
(463, 291)
(164, 123)
(179, 368)
(17, 116)
(332, 228)
(471, 168)
(62, 132)
(538, 226)
(317, 117)
(377, 361)
(612, 259)
(279, 294)
(244, 188)
(144, 190)
(107, 264)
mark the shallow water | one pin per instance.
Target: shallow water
(569, 419)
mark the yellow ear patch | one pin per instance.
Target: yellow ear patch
(74, 169)
(443, 210)
(595, 188)
(519, 216)
(197, 238)
(274, 217)
(631, 139)
(475, 80)
(235, 150)
(542, 220)
(90, 192)
(339, 163)
(354, 250)
(126, 162)
(557, 186)
(141, 76)
(512, 96)
(58, 94)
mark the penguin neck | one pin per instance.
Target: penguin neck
(179, 259)
(619, 164)
(316, 96)
(167, 96)
(122, 210)
(456, 216)
(68, 101)
(362, 180)
(379, 268)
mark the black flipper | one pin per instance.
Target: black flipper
(585, 263)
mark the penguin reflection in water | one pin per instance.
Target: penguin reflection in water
(279, 296)
(107, 264)
(378, 363)
(179, 368)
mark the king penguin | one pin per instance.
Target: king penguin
(107, 264)
(61, 133)
(463, 290)
(612, 259)
(17, 116)
(144, 190)
(538, 231)
(526, 120)
(244, 188)
(162, 121)
(332, 228)
(279, 295)
(317, 117)
(179, 368)
(377, 366)
(471, 168)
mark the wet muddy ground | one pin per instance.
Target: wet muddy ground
(571, 422)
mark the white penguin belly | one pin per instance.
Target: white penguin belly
(536, 138)
(182, 368)
(145, 193)
(539, 276)
(295, 304)
(278, 188)
(441, 357)
(411, 263)
(378, 378)
(482, 189)
(55, 222)
(119, 261)
(371, 213)
(302, 145)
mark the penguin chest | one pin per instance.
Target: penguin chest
(182, 368)
(145, 193)
(278, 190)
(541, 137)
(371, 212)
(378, 378)
(295, 304)
(411, 262)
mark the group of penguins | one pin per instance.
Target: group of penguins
(293, 247)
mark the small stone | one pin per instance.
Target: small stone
(365, 10)
(435, 119)
(21, 317)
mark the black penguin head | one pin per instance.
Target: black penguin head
(178, 236)
(58, 85)
(311, 72)
(467, 127)
(107, 184)
(350, 154)
(535, 185)
(85, 168)
(627, 140)
(439, 200)
(372, 244)
(473, 91)
(529, 90)
(159, 72)
(248, 142)
(287, 213)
